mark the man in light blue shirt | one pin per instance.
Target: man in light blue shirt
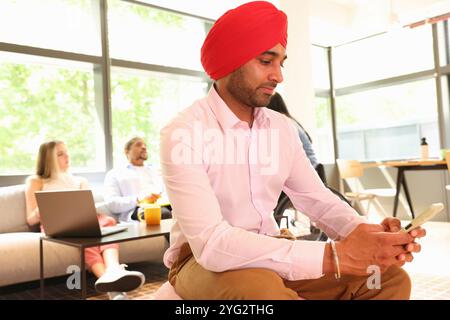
(307, 145)
(125, 187)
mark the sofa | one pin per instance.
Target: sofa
(19, 244)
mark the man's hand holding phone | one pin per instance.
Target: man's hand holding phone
(413, 228)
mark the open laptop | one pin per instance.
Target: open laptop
(71, 214)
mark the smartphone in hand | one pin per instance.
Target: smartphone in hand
(428, 214)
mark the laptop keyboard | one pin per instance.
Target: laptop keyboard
(113, 229)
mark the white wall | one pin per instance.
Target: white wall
(298, 90)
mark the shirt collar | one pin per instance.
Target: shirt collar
(226, 118)
(131, 166)
(262, 118)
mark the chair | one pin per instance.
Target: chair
(284, 205)
(320, 169)
(350, 171)
(447, 159)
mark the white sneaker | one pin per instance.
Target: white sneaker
(117, 279)
(117, 296)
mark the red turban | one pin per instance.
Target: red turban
(240, 35)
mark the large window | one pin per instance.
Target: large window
(143, 102)
(387, 123)
(154, 36)
(54, 78)
(66, 25)
(388, 55)
(42, 99)
(386, 95)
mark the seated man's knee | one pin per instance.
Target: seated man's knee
(254, 284)
(405, 283)
(400, 282)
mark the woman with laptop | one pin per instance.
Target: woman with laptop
(52, 173)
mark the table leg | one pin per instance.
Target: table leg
(41, 266)
(408, 197)
(397, 192)
(83, 274)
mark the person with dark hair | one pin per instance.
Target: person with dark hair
(277, 104)
(52, 173)
(226, 159)
(137, 181)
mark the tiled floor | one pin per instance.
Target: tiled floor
(430, 270)
(429, 287)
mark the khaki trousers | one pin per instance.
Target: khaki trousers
(193, 282)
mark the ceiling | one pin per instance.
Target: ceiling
(333, 22)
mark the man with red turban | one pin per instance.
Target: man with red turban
(225, 161)
(240, 35)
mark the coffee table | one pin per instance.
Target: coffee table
(135, 231)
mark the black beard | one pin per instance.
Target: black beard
(242, 92)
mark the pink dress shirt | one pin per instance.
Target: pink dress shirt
(224, 179)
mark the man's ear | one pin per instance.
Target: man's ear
(221, 83)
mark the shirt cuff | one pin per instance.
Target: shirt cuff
(350, 226)
(307, 260)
